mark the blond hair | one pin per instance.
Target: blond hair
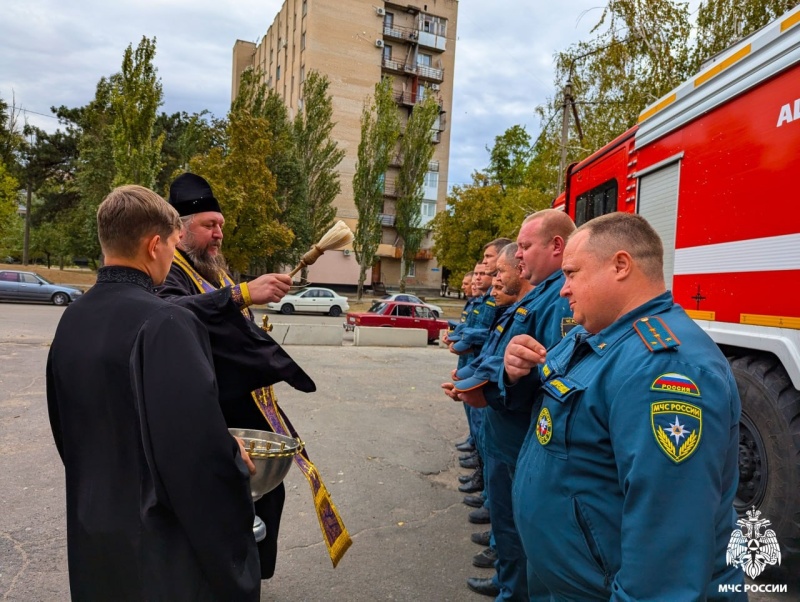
(628, 232)
(130, 213)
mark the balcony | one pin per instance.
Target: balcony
(410, 99)
(390, 188)
(431, 40)
(413, 35)
(398, 32)
(427, 73)
(386, 219)
(394, 66)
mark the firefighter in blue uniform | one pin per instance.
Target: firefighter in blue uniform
(625, 484)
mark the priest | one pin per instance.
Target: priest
(158, 496)
(245, 357)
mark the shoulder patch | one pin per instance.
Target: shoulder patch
(677, 427)
(500, 328)
(491, 303)
(546, 370)
(655, 334)
(544, 427)
(676, 383)
(567, 324)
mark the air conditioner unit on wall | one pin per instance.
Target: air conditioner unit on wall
(380, 11)
(379, 43)
(346, 252)
(435, 87)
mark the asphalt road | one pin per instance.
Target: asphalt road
(378, 428)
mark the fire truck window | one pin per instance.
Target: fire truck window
(596, 202)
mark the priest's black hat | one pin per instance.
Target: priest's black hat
(190, 194)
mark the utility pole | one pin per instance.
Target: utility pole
(568, 100)
(567, 107)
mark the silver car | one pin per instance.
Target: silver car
(27, 286)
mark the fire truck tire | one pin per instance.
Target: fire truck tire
(769, 446)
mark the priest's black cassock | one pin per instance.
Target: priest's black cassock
(158, 497)
(245, 359)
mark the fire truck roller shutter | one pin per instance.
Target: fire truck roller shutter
(658, 204)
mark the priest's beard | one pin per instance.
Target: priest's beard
(206, 264)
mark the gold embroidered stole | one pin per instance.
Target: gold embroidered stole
(335, 534)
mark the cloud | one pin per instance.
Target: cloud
(55, 52)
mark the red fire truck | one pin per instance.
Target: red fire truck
(715, 167)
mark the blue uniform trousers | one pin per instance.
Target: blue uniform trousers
(511, 562)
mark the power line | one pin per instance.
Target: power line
(21, 110)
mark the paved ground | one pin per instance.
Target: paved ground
(378, 428)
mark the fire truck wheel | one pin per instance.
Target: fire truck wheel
(769, 445)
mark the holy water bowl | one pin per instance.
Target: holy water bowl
(272, 455)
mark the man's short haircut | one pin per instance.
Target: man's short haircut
(497, 243)
(627, 232)
(129, 214)
(508, 252)
(554, 223)
(468, 274)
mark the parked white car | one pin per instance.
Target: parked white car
(312, 299)
(406, 298)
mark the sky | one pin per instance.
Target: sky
(53, 52)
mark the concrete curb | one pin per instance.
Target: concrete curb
(307, 334)
(376, 336)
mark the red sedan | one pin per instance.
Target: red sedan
(394, 314)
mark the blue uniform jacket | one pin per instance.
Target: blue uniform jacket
(475, 332)
(546, 316)
(468, 317)
(625, 483)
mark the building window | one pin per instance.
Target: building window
(278, 73)
(302, 74)
(305, 7)
(412, 270)
(388, 20)
(387, 52)
(427, 212)
(424, 59)
(303, 41)
(271, 51)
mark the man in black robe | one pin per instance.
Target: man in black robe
(158, 496)
(245, 357)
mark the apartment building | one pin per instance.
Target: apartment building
(355, 43)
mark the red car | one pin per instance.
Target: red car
(394, 314)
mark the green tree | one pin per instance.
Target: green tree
(8, 203)
(476, 214)
(380, 128)
(284, 163)
(319, 155)
(722, 23)
(416, 150)
(639, 50)
(94, 177)
(135, 97)
(11, 139)
(184, 137)
(245, 187)
(509, 158)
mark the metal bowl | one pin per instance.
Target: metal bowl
(272, 454)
